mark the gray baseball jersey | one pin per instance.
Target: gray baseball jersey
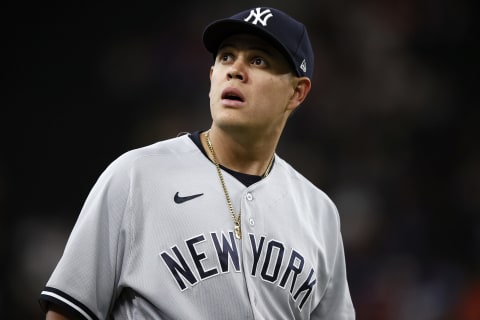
(155, 240)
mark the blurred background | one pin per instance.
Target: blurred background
(389, 132)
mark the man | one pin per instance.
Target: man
(213, 225)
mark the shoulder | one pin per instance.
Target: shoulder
(165, 151)
(175, 146)
(142, 161)
(301, 183)
(296, 186)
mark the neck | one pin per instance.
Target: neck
(248, 155)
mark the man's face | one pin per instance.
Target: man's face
(251, 85)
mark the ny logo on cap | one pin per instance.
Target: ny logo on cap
(260, 16)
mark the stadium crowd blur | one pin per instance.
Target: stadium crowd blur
(390, 133)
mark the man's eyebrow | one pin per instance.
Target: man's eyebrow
(249, 47)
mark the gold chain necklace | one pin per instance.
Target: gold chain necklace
(236, 218)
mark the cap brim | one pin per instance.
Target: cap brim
(215, 33)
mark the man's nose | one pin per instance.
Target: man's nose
(237, 71)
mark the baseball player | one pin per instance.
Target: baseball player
(213, 224)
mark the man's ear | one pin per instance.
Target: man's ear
(210, 76)
(301, 89)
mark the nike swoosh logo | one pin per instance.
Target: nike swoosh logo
(180, 199)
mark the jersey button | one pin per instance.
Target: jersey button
(249, 196)
(251, 221)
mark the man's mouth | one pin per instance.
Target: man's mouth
(232, 94)
(232, 97)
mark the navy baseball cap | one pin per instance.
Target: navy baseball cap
(284, 32)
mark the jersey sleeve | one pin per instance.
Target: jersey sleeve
(336, 303)
(84, 282)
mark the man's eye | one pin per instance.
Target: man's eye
(225, 57)
(258, 61)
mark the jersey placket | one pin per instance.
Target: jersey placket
(252, 226)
